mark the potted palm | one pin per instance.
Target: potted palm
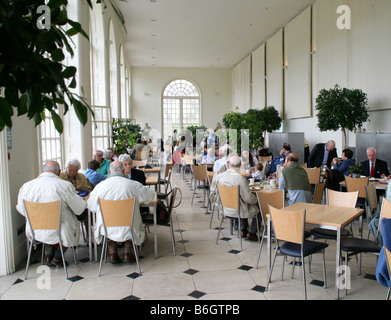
(356, 170)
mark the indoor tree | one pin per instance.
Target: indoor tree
(341, 108)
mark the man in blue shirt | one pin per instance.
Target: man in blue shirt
(92, 172)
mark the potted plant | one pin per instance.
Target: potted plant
(125, 134)
(356, 170)
(341, 108)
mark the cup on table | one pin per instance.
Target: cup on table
(273, 182)
(252, 181)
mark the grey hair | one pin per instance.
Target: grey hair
(100, 152)
(51, 166)
(73, 162)
(124, 157)
(371, 148)
(116, 166)
(235, 161)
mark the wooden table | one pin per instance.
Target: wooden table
(323, 216)
(152, 180)
(378, 184)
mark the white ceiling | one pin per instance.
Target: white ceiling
(201, 33)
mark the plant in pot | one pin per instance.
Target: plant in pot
(341, 108)
(356, 170)
(125, 134)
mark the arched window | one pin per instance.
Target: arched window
(181, 106)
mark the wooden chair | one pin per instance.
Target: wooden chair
(357, 184)
(117, 213)
(290, 229)
(187, 163)
(356, 246)
(167, 174)
(337, 199)
(274, 199)
(371, 201)
(141, 155)
(230, 199)
(138, 163)
(44, 216)
(200, 180)
(265, 159)
(318, 193)
(313, 175)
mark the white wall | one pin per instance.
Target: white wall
(148, 85)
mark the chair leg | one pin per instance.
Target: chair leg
(102, 255)
(269, 276)
(136, 256)
(63, 260)
(324, 270)
(28, 259)
(172, 237)
(260, 249)
(304, 282)
(218, 233)
(388, 294)
(211, 217)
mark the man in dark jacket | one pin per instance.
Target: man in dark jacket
(373, 167)
(322, 153)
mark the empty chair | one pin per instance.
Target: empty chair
(353, 246)
(357, 184)
(289, 227)
(168, 167)
(318, 193)
(274, 199)
(313, 175)
(44, 221)
(200, 180)
(117, 213)
(372, 204)
(148, 218)
(337, 199)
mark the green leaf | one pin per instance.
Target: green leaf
(57, 55)
(77, 27)
(6, 112)
(57, 121)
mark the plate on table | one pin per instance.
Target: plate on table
(255, 188)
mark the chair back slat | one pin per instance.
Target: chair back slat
(117, 213)
(385, 211)
(288, 225)
(371, 196)
(43, 216)
(229, 196)
(341, 199)
(357, 184)
(168, 168)
(274, 199)
(318, 193)
(265, 159)
(199, 172)
(313, 175)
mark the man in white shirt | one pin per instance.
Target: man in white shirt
(50, 187)
(118, 186)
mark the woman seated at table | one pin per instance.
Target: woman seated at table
(346, 162)
(248, 161)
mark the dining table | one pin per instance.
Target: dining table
(152, 180)
(326, 217)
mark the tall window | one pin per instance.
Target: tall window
(181, 106)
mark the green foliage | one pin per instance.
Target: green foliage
(341, 108)
(125, 134)
(197, 135)
(31, 69)
(357, 169)
(257, 121)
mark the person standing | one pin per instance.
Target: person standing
(322, 154)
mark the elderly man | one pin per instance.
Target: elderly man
(294, 178)
(374, 167)
(322, 154)
(248, 200)
(118, 186)
(50, 187)
(104, 164)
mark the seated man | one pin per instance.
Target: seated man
(104, 164)
(131, 173)
(374, 167)
(248, 201)
(322, 153)
(294, 178)
(92, 173)
(118, 186)
(49, 187)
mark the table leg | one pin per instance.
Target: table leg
(95, 245)
(268, 246)
(337, 261)
(155, 229)
(89, 236)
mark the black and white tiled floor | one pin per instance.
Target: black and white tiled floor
(201, 270)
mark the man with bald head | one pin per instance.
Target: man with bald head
(117, 186)
(50, 187)
(322, 153)
(295, 180)
(248, 201)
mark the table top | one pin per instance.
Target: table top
(151, 180)
(153, 169)
(319, 214)
(380, 184)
